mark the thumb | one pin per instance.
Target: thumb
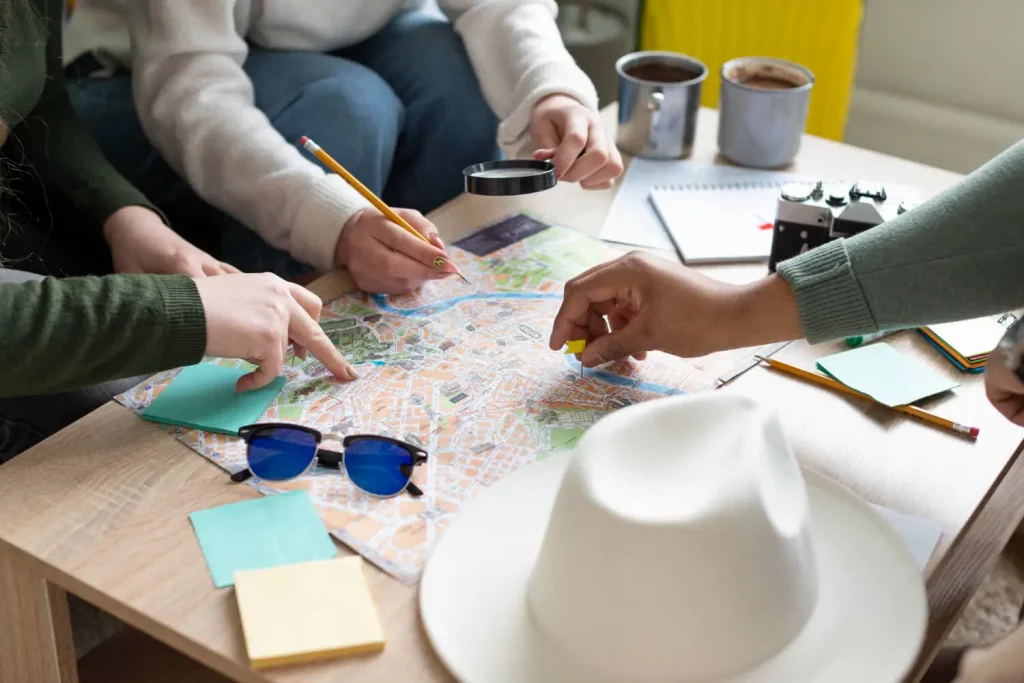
(629, 341)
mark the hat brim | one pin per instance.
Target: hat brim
(868, 623)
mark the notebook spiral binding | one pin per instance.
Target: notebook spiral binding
(708, 187)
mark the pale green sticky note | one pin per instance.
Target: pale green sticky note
(283, 528)
(203, 397)
(886, 375)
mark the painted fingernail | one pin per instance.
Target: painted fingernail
(445, 265)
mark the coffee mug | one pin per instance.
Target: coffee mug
(659, 95)
(762, 111)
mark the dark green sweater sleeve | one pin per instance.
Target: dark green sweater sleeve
(61, 334)
(959, 255)
(60, 148)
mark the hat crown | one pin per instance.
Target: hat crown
(679, 545)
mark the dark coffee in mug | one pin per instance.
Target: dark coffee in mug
(661, 73)
(765, 75)
(769, 83)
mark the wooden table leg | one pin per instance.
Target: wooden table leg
(35, 627)
(977, 548)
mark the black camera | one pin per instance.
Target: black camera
(811, 214)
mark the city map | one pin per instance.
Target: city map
(463, 371)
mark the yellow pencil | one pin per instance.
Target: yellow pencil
(330, 163)
(822, 380)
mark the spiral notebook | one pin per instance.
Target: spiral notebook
(632, 218)
(727, 222)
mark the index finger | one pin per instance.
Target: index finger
(581, 292)
(396, 238)
(574, 139)
(309, 301)
(303, 330)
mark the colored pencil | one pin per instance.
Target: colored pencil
(822, 380)
(328, 161)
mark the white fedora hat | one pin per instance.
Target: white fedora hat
(679, 542)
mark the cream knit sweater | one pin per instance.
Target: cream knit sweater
(196, 103)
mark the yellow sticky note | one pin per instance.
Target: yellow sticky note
(576, 346)
(307, 612)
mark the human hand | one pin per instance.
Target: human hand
(574, 137)
(1004, 388)
(254, 316)
(385, 259)
(639, 303)
(140, 243)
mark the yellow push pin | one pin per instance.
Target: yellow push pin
(574, 347)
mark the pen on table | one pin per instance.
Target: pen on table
(369, 196)
(924, 415)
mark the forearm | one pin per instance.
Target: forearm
(196, 105)
(64, 334)
(517, 52)
(960, 255)
(763, 312)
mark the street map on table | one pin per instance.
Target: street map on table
(463, 371)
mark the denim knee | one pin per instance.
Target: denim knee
(354, 115)
(457, 107)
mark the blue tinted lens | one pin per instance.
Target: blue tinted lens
(378, 467)
(280, 453)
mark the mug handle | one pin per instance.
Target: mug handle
(654, 102)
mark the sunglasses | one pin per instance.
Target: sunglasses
(378, 465)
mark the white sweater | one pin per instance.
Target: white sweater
(196, 103)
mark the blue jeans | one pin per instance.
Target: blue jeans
(402, 111)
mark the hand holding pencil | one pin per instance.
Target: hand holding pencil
(387, 251)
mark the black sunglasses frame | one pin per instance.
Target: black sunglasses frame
(327, 458)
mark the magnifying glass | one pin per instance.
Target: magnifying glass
(509, 177)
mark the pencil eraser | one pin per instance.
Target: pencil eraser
(303, 140)
(974, 432)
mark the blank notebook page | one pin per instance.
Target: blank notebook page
(719, 224)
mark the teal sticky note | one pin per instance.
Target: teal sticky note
(283, 528)
(203, 397)
(884, 374)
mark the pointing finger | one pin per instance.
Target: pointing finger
(307, 333)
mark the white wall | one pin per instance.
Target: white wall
(940, 81)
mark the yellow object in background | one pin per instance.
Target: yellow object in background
(307, 612)
(821, 36)
(576, 346)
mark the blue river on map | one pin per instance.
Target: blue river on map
(382, 302)
(604, 376)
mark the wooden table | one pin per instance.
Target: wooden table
(101, 509)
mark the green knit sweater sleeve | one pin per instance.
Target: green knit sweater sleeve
(959, 255)
(55, 142)
(61, 334)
